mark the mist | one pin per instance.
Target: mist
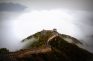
(71, 17)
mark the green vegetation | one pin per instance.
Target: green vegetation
(4, 50)
(42, 39)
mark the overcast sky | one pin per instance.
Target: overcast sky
(79, 23)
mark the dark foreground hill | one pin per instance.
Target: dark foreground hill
(55, 48)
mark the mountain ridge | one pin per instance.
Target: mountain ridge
(44, 35)
(48, 47)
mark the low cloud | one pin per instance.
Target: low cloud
(11, 7)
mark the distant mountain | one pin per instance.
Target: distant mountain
(48, 45)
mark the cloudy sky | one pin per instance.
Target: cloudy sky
(21, 18)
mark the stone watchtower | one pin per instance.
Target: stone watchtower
(54, 30)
